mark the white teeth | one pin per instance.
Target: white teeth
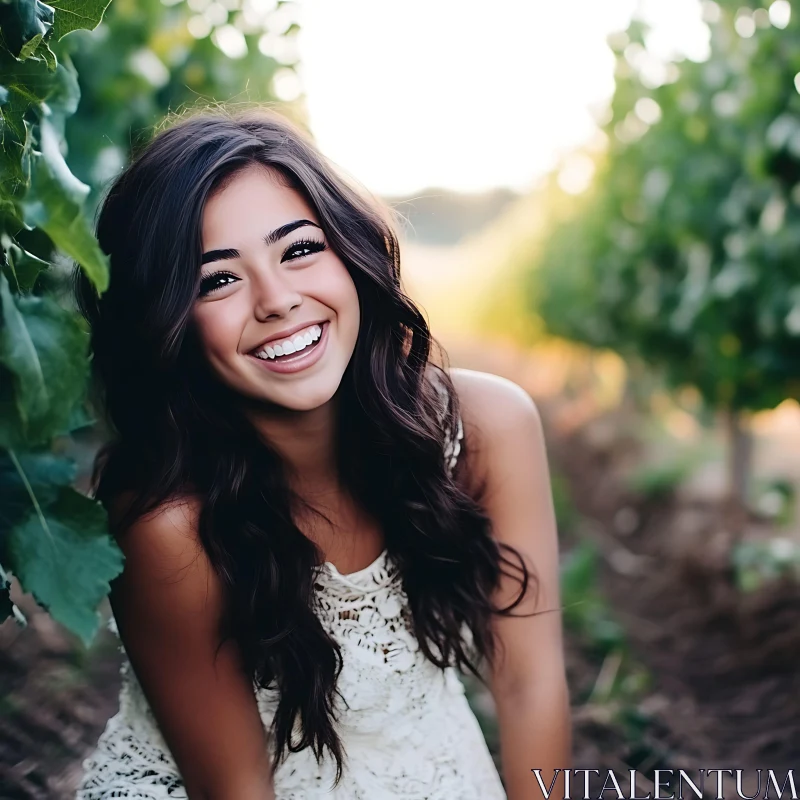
(289, 346)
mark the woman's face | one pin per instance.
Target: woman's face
(277, 313)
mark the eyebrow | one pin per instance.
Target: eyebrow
(269, 239)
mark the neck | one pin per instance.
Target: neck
(307, 443)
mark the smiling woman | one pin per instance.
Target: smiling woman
(309, 557)
(274, 271)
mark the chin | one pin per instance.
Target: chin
(302, 396)
(303, 401)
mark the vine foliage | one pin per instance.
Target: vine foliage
(683, 254)
(53, 539)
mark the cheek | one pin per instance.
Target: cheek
(342, 291)
(216, 331)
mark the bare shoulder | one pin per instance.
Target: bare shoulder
(167, 575)
(492, 404)
(500, 419)
(171, 529)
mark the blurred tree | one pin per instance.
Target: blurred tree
(151, 57)
(686, 251)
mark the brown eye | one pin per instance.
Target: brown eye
(213, 282)
(303, 248)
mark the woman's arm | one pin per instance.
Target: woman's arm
(167, 604)
(529, 681)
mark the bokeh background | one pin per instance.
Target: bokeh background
(599, 200)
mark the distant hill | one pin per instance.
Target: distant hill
(443, 217)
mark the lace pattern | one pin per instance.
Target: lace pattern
(406, 727)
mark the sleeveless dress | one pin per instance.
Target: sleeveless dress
(407, 729)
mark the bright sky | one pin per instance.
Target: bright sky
(465, 95)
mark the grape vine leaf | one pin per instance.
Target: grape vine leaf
(80, 417)
(24, 24)
(63, 555)
(45, 350)
(44, 472)
(23, 266)
(74, 14)
(54, 203)
(26, 83)
(10, 423)
(42, 518)
(44, 52)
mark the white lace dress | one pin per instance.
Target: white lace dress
(407, 729)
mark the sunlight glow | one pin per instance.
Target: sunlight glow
(216, 14)
(780, 13)
(648, 110)
(409, 94)
(198, 26)
(576, 174)
(286, 85)
(231, 41)
(744, 23)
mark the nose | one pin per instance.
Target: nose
(273, 294)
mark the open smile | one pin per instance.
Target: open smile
(295, 354)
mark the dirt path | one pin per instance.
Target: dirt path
(56, 698)
(726, 689)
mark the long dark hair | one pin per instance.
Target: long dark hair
(176, 431)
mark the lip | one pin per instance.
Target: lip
(303, 360)
(287, 334)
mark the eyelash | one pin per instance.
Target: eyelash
(312, 244)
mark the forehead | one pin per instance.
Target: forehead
(252, 203)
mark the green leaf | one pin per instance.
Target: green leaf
(79, 418)
(15, 159)
(31, 79)
(29, 48)
(65, 93)
(44, 474)
(44, 52)
(64, 556)
(45, 349)
(18, 353)
(26, 85)
(11, 428)
(75, 14)
(24, 24)
(22, 265)
(54, 202)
